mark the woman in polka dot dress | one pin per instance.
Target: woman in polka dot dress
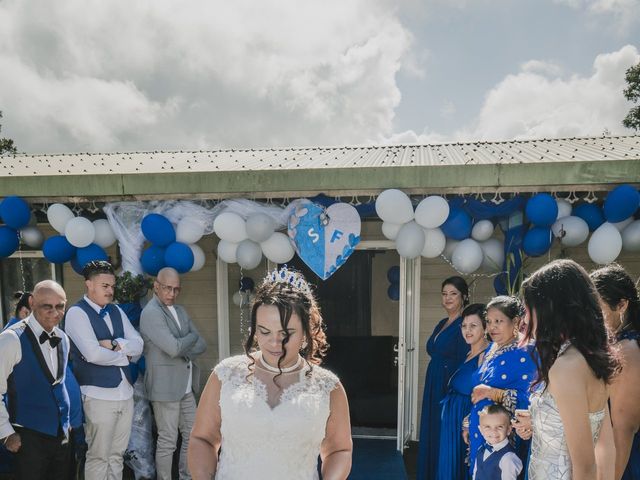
(507, 371)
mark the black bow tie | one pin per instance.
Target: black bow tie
(53, 340)
(488, 448)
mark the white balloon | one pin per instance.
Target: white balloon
(482, 230)
(58, 215)
(467, 256)
(198, 258)
(394, 206)
(410, 240)
(249, 254)
(631, 237)
(432, 212)
(571, 231)
(189, 230)
(390, 230)
(492, 255)
(623, 224)
(230, 226)
(260, 227)
(104, 233)
(450, 247)
(278, 248)
(32, 237)
(434, 242)
(605, 244)
(80, 232)
(227, 251)
(236, 298)
(564, 208)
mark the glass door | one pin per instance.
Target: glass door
(407, 350)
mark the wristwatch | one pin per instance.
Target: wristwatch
(114, 344)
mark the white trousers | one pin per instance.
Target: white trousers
(107, 428)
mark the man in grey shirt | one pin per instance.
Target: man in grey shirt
(171, 342)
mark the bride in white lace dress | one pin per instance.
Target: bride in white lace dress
(572, 433)
(270, 413)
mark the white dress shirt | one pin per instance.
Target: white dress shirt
(174, 314)
(510, 465)
(78, 327)
(10, 356)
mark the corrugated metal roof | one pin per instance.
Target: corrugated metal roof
(446, 154)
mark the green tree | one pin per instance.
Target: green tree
(6, 144)
(632, 93)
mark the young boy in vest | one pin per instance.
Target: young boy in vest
(496, 459)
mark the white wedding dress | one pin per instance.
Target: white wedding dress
(270, 432)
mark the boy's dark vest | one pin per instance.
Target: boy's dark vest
(105, 376)
(35, 399)
(489, 469)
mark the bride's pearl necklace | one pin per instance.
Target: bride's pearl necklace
(268, 367)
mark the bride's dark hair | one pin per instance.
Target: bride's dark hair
(291, 295)
(565, 304)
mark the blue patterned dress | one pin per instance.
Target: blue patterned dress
(509, 368)
(447, 350)
(455, 406)
(632, 472)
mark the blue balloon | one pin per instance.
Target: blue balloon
(57, 249)
(590, 213)
(457, 225)
(90, 253)
(76, 266)
(8, 241)
(542, 210)
(179, 256)
(393, 274)
(394, 292)
(15, 212)
(158, 230)
(246, 284)
(152, 260)
(537, 241)
(621, 203)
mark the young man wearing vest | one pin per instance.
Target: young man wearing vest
(102, 343)
(33, 361)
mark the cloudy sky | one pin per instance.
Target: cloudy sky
(90, 75)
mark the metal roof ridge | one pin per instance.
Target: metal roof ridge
(328, 148)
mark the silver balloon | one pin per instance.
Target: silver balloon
(32, 237)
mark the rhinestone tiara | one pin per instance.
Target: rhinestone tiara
(291, 277)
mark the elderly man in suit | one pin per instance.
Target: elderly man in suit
(171, 342)
(33, 364)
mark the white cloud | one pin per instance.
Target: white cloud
(625, 12)
(538, 103)
(93, 75)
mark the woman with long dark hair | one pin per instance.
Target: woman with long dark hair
(572, 435)
(447, 349)
(272, 411)
(621, 310)
(456, 405)
(507, 370)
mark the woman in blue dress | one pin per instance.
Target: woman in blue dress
(507, 371)
(447, 350)
(456, 405)
(621, 310)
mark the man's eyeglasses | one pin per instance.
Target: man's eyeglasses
(169, 288)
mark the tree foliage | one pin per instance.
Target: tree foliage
(632, 93)
(6, 144)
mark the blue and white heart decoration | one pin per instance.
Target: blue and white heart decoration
(324, 238)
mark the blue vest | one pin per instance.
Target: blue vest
(105, 376)
(489, 469)
(35, 399)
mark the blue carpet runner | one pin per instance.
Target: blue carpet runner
(375, 459)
